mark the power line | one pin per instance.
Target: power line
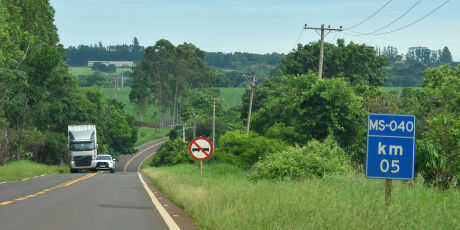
(403, 27)
(391, 23)
(372, 15)
(391, 31)
(301, 32)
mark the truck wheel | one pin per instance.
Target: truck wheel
(73, 170)
(112, 170)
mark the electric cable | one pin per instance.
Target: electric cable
(372, 15)
(403, 27)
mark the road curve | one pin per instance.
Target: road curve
(83, 200)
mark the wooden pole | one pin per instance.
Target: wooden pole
(388, 186)
(201, 168)
(250, 103)
(214, 121)
(321, 53)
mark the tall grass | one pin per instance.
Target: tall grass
(18, 170)
(224, 199)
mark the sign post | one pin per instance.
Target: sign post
(390, 152)
(200, 149)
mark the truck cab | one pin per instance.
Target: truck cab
(82, 147)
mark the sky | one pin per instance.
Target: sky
(256, 26)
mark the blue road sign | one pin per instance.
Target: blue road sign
(390, 148)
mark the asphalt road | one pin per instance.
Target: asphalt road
(83, 200)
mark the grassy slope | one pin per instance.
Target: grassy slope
(123, 96)
(149, 134)
(227, 94)
(224, 199)
(18, 170)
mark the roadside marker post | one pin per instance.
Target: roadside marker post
(200, 149)
(390, 150)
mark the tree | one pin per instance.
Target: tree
(300, 108)
(38, 95)
(353, 62)
(437, 111)
(446, 56)
(169, 75)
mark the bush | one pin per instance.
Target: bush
(239, 149)
(172, 152)
(315, 159)
(438, 153)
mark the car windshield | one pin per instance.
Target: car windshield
(82, 146)
(103, 158)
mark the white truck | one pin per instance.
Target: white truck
(82, 145)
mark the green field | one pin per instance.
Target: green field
(225, 199)
(123, 96)
(18, 170)
(88, 71)
(228, 96)
(146, 134)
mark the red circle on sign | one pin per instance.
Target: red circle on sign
(200, 148)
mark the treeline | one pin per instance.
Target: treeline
(304, 127)
(39, 98)
(232, 65)
(407, 69)
(260, 64)
(79, 56)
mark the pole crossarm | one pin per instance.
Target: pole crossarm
(321, 53)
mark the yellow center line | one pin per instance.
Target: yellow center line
(65, 184)
(137, 154)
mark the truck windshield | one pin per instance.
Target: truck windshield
(82, 146)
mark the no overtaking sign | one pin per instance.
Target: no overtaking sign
(200, 148)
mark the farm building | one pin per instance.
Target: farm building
(118, 64)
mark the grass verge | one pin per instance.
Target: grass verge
(146, 134)
(18, 170)
(225, 199)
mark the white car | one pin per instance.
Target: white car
(105, 162)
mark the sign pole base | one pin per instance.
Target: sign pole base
(388, 187)
(201, 168)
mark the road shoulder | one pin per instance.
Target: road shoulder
(178, 214)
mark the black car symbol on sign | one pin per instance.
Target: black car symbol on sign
(198, 150)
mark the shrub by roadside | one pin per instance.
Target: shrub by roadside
(315, 159)
(172, 152)
(18, 170)
(238, 149)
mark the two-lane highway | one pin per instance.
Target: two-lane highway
(84, 200)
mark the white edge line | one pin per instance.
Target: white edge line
(139, 168)
(164, 214)
(26, 179)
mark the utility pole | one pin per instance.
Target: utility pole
(194, 124)
(321, 51)
(250, 103)
(214, 121)
(122, 83)
(115, 88)
(234, 98)
(183, 131)
(214, 99)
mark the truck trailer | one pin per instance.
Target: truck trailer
(82, 145)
